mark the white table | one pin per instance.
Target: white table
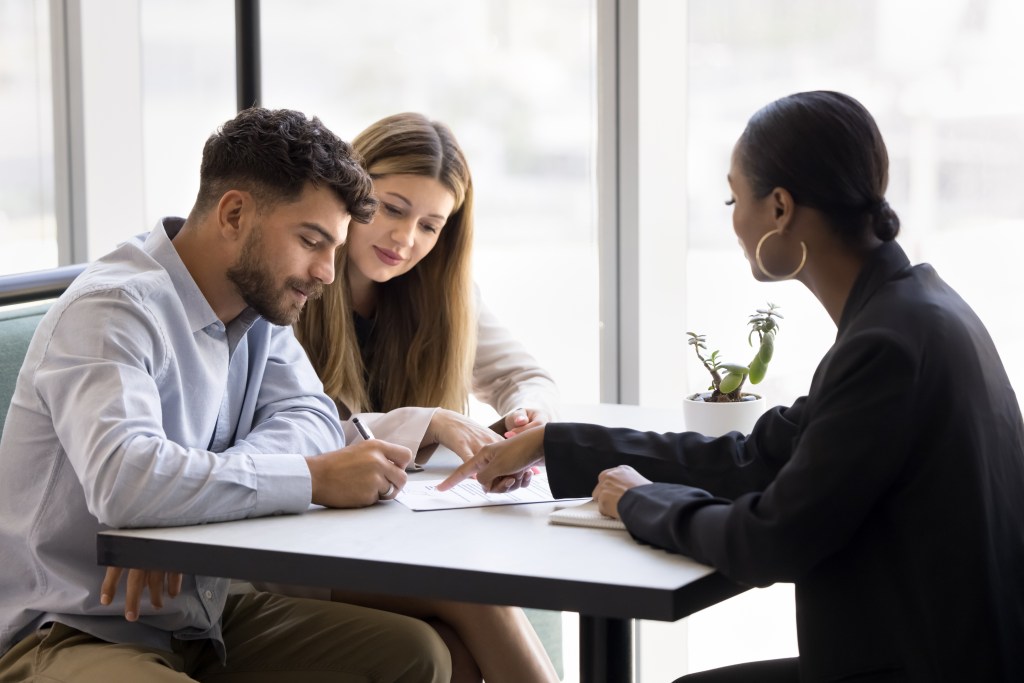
(500, 555)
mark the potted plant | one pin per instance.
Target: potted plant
(725, 407)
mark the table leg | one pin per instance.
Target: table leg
(606, 650)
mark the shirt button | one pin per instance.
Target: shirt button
(209, 595)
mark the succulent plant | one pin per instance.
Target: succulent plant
(727, 379)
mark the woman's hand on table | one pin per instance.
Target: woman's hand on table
(156, 582)
(503, 466)
(459, 433)
(612, 484)
(523, 419)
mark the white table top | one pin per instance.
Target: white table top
(504, 555)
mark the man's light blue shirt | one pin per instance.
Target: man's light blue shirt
(136, 406)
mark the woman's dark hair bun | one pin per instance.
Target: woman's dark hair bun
(884, 221)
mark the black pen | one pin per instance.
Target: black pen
(363, 430)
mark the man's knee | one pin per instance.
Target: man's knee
(424, 656)
(385, 646)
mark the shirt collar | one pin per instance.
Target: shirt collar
(884, 264)
(198, 310)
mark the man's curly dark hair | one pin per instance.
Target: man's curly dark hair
(273, 154)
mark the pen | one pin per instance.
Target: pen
(363, 430)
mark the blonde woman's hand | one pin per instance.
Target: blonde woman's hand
(519, 420)
(612, 485)
(459, 433)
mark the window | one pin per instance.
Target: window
(515, 82)
(28, 236)
(955, 135)
(187, 90)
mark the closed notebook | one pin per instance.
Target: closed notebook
(585, 514)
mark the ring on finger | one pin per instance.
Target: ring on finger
(387, 494)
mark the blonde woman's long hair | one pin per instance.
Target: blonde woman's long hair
(424, 335)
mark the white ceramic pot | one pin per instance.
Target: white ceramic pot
(716, 419)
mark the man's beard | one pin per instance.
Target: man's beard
(256, 285)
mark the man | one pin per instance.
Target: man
(165, 387)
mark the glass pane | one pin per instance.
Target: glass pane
(955, 135)
(28, 236)
(188, 89)
(516, 83)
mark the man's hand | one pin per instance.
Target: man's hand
(138, 580)
(612, 484)
(358, 475)
(459, 433)
(522, 419)
(503, 466)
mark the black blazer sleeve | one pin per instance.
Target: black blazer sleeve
(762, 509)
(730, 465)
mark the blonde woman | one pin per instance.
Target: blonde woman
(401, 338)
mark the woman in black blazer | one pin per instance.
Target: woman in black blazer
(892, 494)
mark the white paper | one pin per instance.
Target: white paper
(420, 494)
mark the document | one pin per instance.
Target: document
(420, 495)
(585, 514)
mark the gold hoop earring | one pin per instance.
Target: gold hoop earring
(760, 263)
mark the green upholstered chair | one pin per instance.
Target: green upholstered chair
(23, 302)
(16, 327)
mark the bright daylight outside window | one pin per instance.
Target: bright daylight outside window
(28, 237)
(515, 82)
(955, 135)
(188, 89)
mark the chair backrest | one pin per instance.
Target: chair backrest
(18, 320)
(16, 328)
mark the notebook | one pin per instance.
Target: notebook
(585, 514)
